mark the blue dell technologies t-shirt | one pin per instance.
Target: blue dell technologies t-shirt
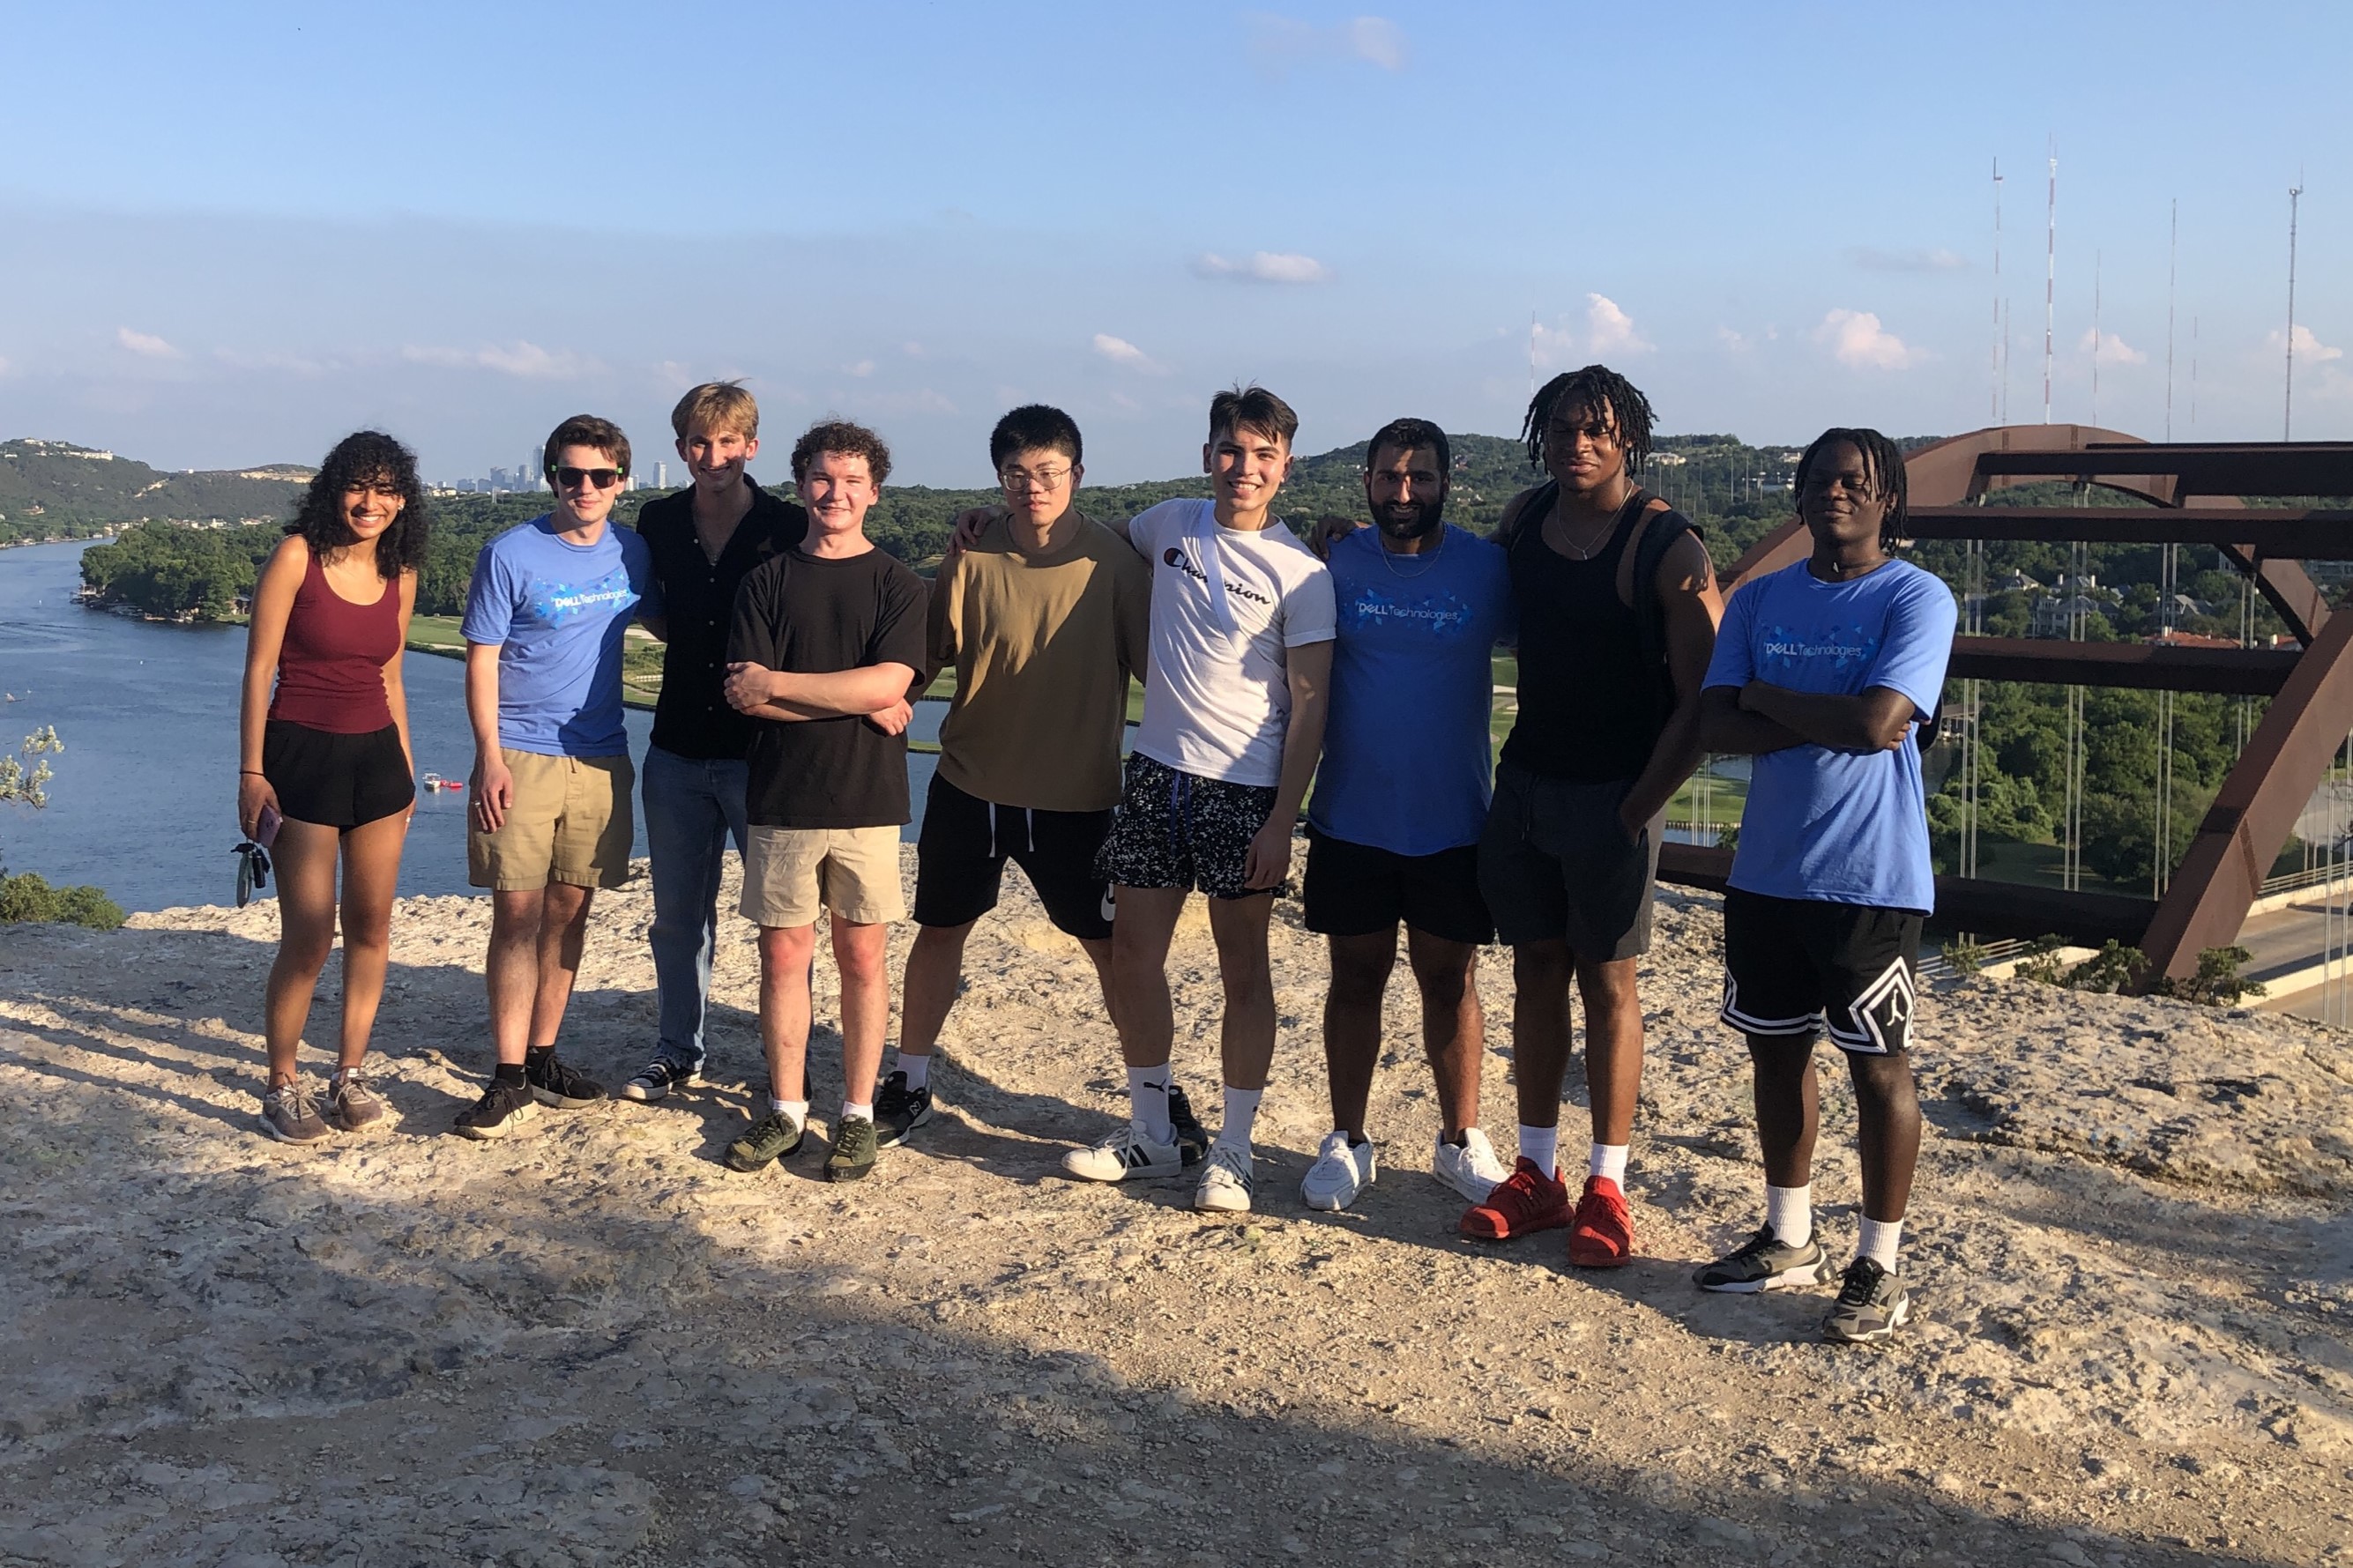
(1407, 761)
(558, 612)
(1841, 827)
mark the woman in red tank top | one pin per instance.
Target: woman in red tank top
(325, 763)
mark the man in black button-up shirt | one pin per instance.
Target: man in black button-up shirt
(705, 539)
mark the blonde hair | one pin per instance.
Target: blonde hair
(717, 405)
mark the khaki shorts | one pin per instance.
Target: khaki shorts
(570, 823)
(792, 875)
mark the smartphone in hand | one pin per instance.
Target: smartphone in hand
(265, 827)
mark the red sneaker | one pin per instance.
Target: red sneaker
(1527, 1200)
(1603, 1234)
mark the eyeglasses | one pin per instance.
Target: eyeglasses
(1043, 480)
(571, 478)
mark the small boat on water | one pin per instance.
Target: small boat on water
(432, 781)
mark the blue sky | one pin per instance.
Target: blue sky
(229, 234)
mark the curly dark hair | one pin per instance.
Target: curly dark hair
(1597, 388)
(843, 440)
(365, 457)
(1884, 462)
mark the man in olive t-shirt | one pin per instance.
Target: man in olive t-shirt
(1044, 617)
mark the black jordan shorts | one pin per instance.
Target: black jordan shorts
(1793, 965)
(1359, 890)
(960, 858)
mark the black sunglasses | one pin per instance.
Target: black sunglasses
(252, 871)
(602, 479)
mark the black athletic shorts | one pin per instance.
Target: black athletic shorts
(336, 780)
(1356, 890)
(1556, 866)
(960, 858)
(1176, 830)
(1791, 965)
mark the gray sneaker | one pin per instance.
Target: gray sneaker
(1871, 1305)
(289, 1114)
(352, 1105)
(1765, 1262)
(772, 1138)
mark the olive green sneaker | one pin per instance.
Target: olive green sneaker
(772, 1138)
(853, 1149)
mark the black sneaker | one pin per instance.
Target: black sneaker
(656, 1079)
(503, 1108)
(1871, 1304)
(559, 1083)
(899, 1110)
(853, 1149)
(1192, 1138)
(1765, 1262)
(772, 1138)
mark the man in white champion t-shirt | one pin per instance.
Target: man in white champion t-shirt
(1243, 622)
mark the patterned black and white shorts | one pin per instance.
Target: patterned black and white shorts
(1793, 965)
(1174, 830)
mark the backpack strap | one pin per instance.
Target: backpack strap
(1658, 536)
(1539, 507)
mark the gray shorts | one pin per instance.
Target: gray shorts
(1555, 866)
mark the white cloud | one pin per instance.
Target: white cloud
(524, 360)
(1610, 330)
(1554, 348)
(1278, 43)
(145, 344)
(284, 363)
(924, 400)
(1736, 341)
(1857, 338)
(1263, 266)
(2110, 348)
(912, 350)
(1916, 259)
(1119, 351)
(861, 369)
(2309, 350)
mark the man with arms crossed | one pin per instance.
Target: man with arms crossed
(704, 540)
(1400, 798)
(827, 641)
(1233, 719)
(1617, 609)
(1045, 617)
(1823, 671)
(549, 804)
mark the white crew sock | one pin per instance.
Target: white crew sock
(1541, 1145)
(853, 1112)
(1147, 1093)
(1241, 1115)
(796, 1109)
(1881, 1237)
(1608, 1161)
(917, 1069)
(1790, 1213)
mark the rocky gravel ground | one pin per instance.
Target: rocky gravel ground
(2131, 1248)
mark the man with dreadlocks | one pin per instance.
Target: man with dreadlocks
(1823, 671)
(1616, 608)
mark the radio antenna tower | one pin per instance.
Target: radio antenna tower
(2049, 276)
(1993, 392)
(2287, 407)
(1532, 358)
(2096, 336)
(2172, 252)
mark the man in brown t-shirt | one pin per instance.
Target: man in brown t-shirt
(1045, 617)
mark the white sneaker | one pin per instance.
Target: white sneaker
(1125, 1155)
(1225, 1182)
(1472, 1169)
(1340, 1171)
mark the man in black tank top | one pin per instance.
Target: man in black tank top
(1617, 607)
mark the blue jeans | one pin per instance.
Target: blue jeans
(693, 808)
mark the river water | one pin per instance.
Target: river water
(145, 801)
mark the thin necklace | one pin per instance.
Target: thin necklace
(1428, 561)
(1585, 552)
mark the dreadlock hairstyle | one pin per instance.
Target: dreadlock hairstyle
(1597, 388)
(1886, 463)
(365, 457)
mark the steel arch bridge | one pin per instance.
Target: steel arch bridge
(2187, 493)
